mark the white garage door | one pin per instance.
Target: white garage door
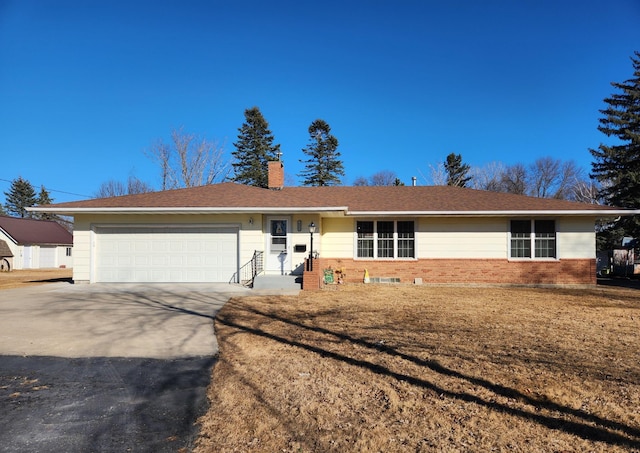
(47, 256)
(177, 254)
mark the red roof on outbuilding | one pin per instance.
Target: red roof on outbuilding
(31, 231)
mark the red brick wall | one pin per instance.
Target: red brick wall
(311, 279)
(562, 272)
(275, 174)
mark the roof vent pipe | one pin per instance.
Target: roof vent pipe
(414, 181)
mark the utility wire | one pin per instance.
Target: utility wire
(54, 190)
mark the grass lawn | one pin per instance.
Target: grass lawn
(30, 277)
(421, 368)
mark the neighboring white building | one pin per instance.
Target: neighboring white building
(36, 244)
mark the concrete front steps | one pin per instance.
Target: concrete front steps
(280, 282)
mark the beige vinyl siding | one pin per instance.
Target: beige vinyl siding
(576, 238)
(337, 238)
(82, 236)
(250, 235)
(462, 238)
(303, 237)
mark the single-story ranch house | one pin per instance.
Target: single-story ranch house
(433, 234)
(35, 244)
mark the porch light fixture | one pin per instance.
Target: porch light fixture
(312, 229)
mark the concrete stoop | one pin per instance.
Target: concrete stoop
(293, 282)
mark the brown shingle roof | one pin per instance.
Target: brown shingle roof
(370, 199)
(5, 251)
(30, 231)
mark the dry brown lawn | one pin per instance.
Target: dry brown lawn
(421, 368)
(26, 277)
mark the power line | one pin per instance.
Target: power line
(54, 190)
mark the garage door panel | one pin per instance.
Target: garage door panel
(143, 254)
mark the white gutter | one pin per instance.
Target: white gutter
(335, 209)
(186, 210)
(592, 213)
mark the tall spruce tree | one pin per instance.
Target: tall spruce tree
(21, 195)
(254, 149)
(323, 168)
(617, 166)
(456, 171)
(44, 198)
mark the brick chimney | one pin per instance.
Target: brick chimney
(276, 174)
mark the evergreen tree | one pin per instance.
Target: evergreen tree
(617, 166)
(254, 149)
(44, 198)
(20, 196)
(323, 168)
(456, 171)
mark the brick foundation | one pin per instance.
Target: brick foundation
(480, 271)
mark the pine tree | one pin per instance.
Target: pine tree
(44, 198)
(617, 166)
(323, 168)
(456, 171)
(254, 149)
(20, 196)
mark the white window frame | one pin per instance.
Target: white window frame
(532, 239)
(395, 240)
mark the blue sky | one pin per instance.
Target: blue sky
(87, 86)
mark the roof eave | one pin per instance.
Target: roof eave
(192, 210)
(333, 209)
(6, 233)
(515, 213)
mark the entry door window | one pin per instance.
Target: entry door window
(278, 236)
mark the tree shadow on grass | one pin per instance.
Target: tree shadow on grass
(626, 436)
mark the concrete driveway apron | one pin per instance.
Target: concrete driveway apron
(106, 368)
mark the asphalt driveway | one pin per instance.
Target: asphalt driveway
(106, 368)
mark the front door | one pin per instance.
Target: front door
(278, 253)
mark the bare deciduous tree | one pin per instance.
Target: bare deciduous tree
(189, 161)
(113, 188)
(488, 177)
(384, 178)
(552, 178)
(586, 191)
(570, 175)
(514, 179)
(545, 178)
(543, 174)
(361, 181)
(381, 178)
(438, 174)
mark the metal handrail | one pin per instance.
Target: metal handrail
(248, 272)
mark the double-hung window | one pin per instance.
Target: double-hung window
(385, 239)
(538, 236)
(365, 239)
